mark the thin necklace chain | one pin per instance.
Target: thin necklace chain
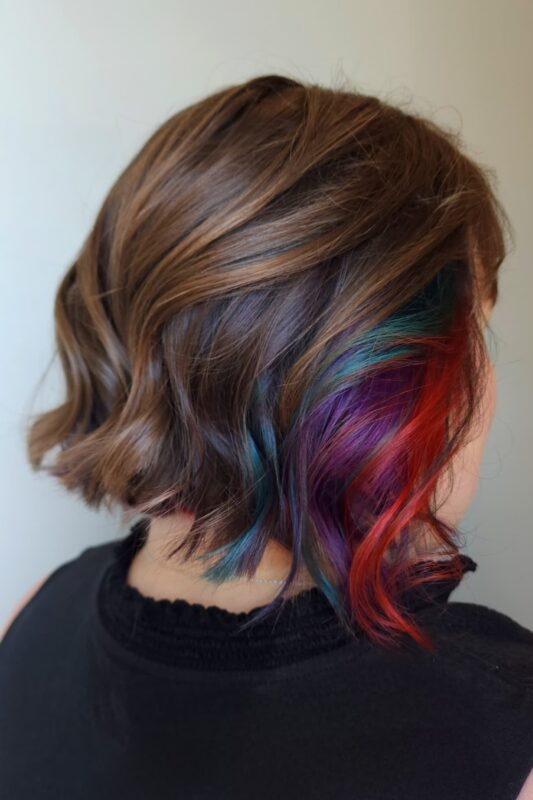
(278, 581)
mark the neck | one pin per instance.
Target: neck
(178, 579)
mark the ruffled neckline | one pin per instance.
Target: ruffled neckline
(191, 635)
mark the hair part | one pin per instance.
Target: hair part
(274, 324)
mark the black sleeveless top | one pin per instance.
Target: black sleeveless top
(106, 693)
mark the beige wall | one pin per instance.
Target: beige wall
(83, 84)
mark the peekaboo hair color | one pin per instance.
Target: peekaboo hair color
(275, 324)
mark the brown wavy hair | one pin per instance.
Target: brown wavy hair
(274, 323)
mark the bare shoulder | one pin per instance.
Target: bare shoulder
(527, 789)
(24, 600)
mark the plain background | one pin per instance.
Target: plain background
(82, 86)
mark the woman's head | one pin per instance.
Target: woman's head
(276, 324)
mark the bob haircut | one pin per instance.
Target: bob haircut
(275, 324)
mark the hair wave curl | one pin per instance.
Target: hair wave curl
(274, 323)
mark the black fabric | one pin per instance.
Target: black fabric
(105, 693)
